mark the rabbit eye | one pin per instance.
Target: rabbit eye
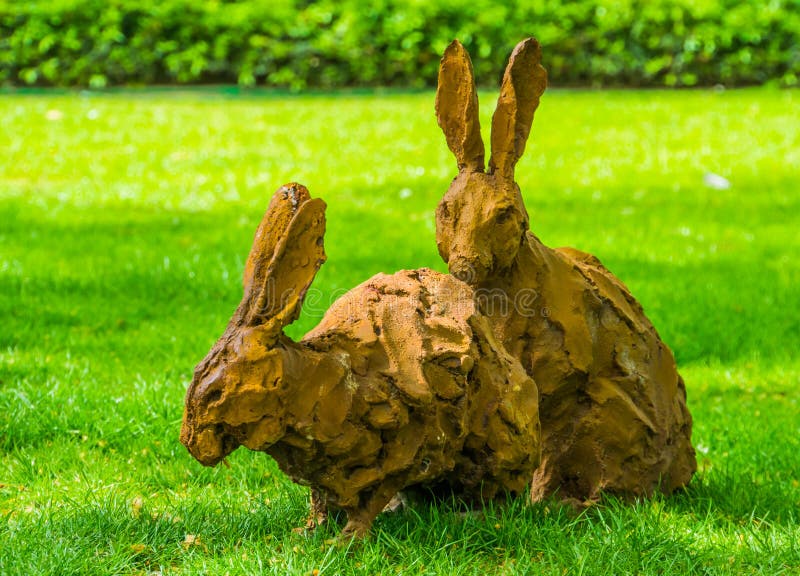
(503, 215)
(214, 396)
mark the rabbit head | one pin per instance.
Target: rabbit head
(481, 221)
(237, 392)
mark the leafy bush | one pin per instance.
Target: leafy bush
(328, 43)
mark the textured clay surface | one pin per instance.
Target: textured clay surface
(612, 404)
(402, 383)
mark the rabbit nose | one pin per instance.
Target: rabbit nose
(207, 447)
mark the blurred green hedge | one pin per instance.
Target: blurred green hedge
(329, 43)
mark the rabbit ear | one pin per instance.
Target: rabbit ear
(281, 210)
(457, 108)
(276, 280)
(523, 83)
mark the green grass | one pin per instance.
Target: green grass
(125, 220)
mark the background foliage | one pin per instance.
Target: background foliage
(332, 43)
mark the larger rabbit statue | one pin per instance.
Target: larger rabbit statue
(612, 404)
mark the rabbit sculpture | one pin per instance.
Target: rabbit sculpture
(612, 405)
(401, 384)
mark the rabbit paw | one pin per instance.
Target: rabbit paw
(318, 515)
(354, 530)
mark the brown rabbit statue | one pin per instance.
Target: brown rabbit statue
(401, 384)
(612, 405)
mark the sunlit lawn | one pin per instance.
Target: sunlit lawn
(125, 220)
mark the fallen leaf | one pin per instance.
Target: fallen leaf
(136, 506)
(193, 540)
(715, 181)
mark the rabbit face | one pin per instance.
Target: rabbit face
(481, 221)
(237, 394)
(480, 224)
(234, 398)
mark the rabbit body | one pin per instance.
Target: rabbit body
(402, 383)
(612, 404)
(423, 395)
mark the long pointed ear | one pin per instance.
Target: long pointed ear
(523, 84)
(279, 286)
(282, 207)
(457, 108)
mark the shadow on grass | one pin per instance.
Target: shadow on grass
(731, 497)
(685, 533)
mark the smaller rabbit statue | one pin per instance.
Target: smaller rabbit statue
(402, 383)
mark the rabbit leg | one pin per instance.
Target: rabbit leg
(318, 514)
(359, 519)
(398, 502)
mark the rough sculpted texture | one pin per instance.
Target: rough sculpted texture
(402, 383)
(426, 379)
(612, 404)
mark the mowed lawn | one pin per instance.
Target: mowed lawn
(125, 220)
